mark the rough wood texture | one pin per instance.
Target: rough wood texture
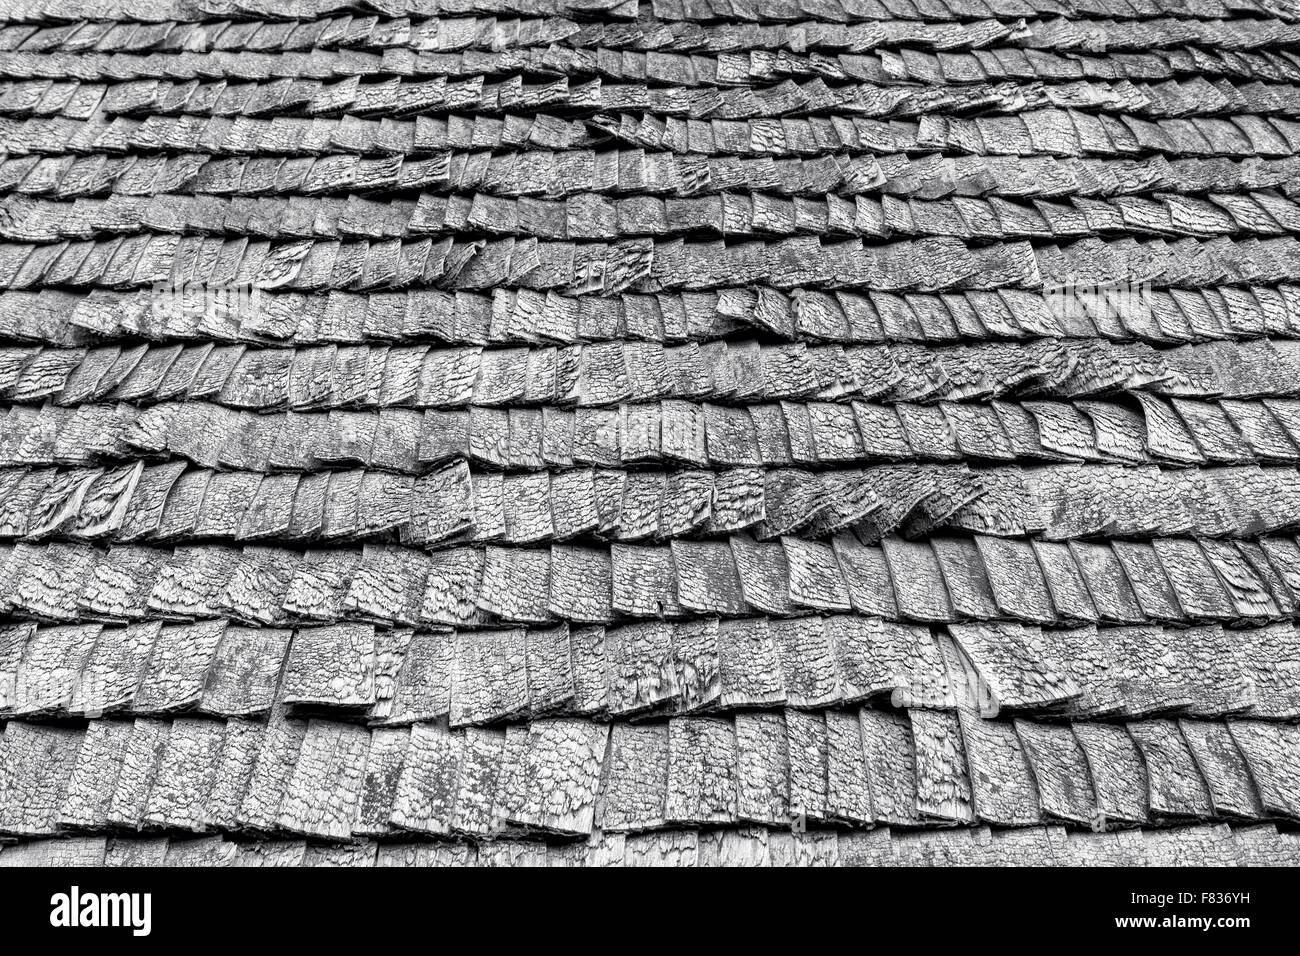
(1174, 782)
(582, 434)
(943, 787)
(1060, 770)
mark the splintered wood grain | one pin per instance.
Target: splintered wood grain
(1060, 771)
(815, 579)
(13, 638)
(190, 585)
(232, 773)
(390, 651)
(590, 669)
(94, 775)
(388, 586)
(1270, 658)
(1019, 588)
(323, 793)
(320, 584)
(573, 503)
(1119, 775)
(422, 685)
(140, 760)
(749, 664)
(707, 581)
(425, 798)
(1271, 752)
(644, 581)
(1019, 663)
(37, 763)
(407, 855)
(549, 664)
(512, 777)
(943, 788)
(53, 661)
(848, 791)
(701, 771)
(1107, 582)
(258, 585)
(1173, 780)
(178, 667)
(764, 574)
(699, 674)
(917, 580)
(891, 765)
(1196, 587)
(516, 584)
(489, 494)
(808, 747)
(641, 666)
(442, 505)
(741, 847)
(201, 852)
(276, 758)
(245, 671)
(114, 668)
(271, 853)
(671, 848)
(877, 657)
(1232, 792)
(452, 590)
(1151, 677)
(687, 502)
(1211, 672)
(1003, 790)
(185, 774)
(270, 512)
(762, 768)
(478, 778)
(137, 851)
(1065, 583)
(118, 585)
(70, 851)
(635, 782)
(489, 676)
(562, 776)
(1147, 576)
(738, 500)
(809, 669)
(340, 855)
(814, 848)
(51, 580)
(964, 575)
(1250, 590)
(581, 584)
(331, 666)
(1088, 656)
(527, 509)
(378, 786)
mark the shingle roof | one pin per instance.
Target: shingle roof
(583, 432)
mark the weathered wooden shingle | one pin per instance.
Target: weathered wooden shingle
(1269, 749)
(323, 793)
(1020, 664)
(1174, 782)
(701, 770)
(36, 766)
(331, 666)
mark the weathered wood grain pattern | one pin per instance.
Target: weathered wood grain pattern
(1174, 781)
(943, 787)
(801, 435)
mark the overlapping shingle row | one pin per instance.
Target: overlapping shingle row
(330, 780)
